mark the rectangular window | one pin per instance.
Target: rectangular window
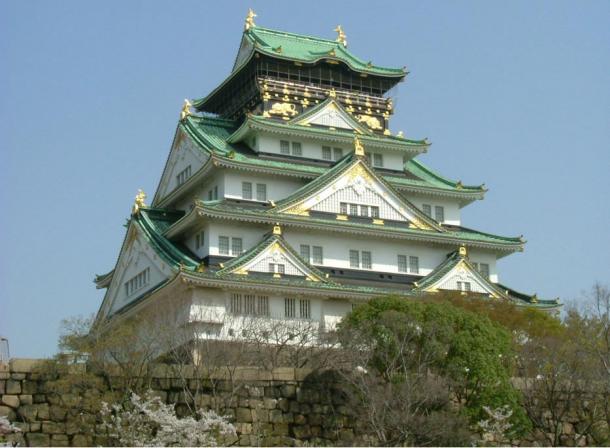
(210, 195)
(199, 239)
(216, 193)
(183, 175)
(235, 304)
(223, 245)
(305, 309)
(318, 255)
(378, 160)
(261, 192)
(297, 149)
(354, 259)
(439, 213)
(290, 308)
(367, 262)
(364, 210)
(326, 153)
(236, 246)
(353, 209)
(250, 304)
(343, 208)
(467, 287)
(459, 286)
(305, 253)
(475, 266)
(413, 265)
(277, 268)
(246, 190)
(284, 147)
(374, 211)
(138, 281)
(402, 263)
(427, 209)
(484, 269)
(262, 307)
(337, 153)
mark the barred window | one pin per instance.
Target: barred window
(262, 308)
(290, 308)
(364, 210)
(439, 213)
(354, 259)
(337, 153)
(210, 195)
(216, 192)
(374, 211)
(138, 281)
(277, 268)
(223, 245)
(183, 175)
(353, 209)
(402, 263)
(475, 265)
(343, 208)
(246, 190)
(427, 209)
(250, 304)
(367, 262)
(484, 270)
(236, 246)
(318, 255)
(261, 192)
(326, 153)
(297, 149)
(235, 304)
(284, 147)
(199, 239)
(378, 160)
(304, 309)
(305, 252)
(467, 287)
(413, 265)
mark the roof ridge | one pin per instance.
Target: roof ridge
(291, 34)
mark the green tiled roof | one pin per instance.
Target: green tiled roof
(430, 177)
(308, 49)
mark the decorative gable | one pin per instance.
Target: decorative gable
(357, 185)
(273, 256)
(330, 114)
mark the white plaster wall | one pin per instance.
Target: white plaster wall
(312, 149)
(191, 241)
(200, 191)
(479, 256)
(277, 187)
(452, 208)
(251, 234)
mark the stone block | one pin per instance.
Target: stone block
(26, 399)
(23, 427)
(255, 392)
(316, 431)
(244, 440)
(314, 419)
(346, 435)
(243, 428)
(43, 411)
(244, 403)
(256, 403)
(29, 387)
(294, 407)
(2, 387)
(18, 376)
(275, 416)
(40, 398)
(60, 440)
(35, 426)
(37, 439)
(13, 387)
(260, 415)
(300, 419)
(243, 415)
(288, 390)
(269, 403)
(283, 374)
(301, 432)
(57, 413)
(28, 412)
(53, 427)
(10, 400)
(305, 408)
(25, 365)
(82, 440)
(283, 404)
(281, 429)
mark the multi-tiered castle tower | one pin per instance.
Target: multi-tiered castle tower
(287, 196)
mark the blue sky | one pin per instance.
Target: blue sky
(513, 94)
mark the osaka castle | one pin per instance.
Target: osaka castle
(288, 195)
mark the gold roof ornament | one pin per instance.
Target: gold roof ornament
(387, 132)
(332, 93)
(535, 298)
(277, 230)
(341, 38)
(463, 251)
(186, 110)
(139, 202)
(459, 185)
(250, 20)
(358, 147)
(400, 134)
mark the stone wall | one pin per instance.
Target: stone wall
(282, 407)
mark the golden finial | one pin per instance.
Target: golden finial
(332, 93)
(139, 202)
(400, 134)
(341, 36)
(277, 230)
(250, 20)
(186, 109)
(358, 146)
(463, 251)
(459, 185)
(201, 267)
(535, 298)
(387, 132)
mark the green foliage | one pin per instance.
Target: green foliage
(473, 353)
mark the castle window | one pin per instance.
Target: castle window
(305, 309)
(427, 209)
(199, 239)
(290, 308)
(277, 268)
(250, 304)
(353, 209)
(223, 245)
(364, 210)
(413, 265)
(439, 213)
(297, 149)
(343, 208)
(484, 269)
(236, 246)
(246, 190)
(318, 255)
(326, 153)
(305, 252)
(261, 192)
(378, 160)
(366, 260)
(235, 304)
(402, 263)
(137, 282)
(354, 259)
(464, 286)
(183, 175)
(262, 308)
(374, 211)
(337, 153)
(284, 147)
